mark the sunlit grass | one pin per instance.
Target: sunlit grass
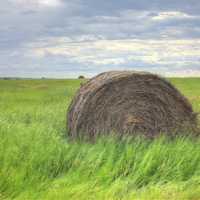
(38, 162)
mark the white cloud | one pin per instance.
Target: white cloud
(130, 53)
(49, 2)
(172, 15)
(36, 3)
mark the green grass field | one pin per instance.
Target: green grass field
(38, 162)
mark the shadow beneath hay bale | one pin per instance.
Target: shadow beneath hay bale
(131, 138)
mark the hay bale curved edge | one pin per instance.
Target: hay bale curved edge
(129, 102)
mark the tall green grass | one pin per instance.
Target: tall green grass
(38, 162)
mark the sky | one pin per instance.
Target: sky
(62, 38)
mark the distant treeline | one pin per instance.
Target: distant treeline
(23, 78)
(15, 78)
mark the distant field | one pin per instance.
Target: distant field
(38, 162)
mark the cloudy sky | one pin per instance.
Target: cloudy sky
(63, 38)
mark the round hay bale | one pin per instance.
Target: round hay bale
(129, 102)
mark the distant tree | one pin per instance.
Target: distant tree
(81, 77)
